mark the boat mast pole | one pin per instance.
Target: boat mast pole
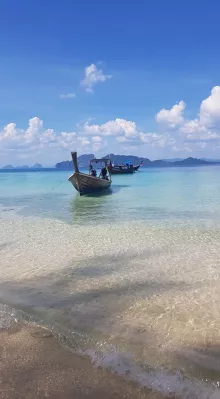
(75, 163)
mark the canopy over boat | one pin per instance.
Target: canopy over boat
(97, 160)
(125, 168)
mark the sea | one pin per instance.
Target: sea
(129, 277)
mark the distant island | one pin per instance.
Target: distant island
(36, 166)
(83, 161)
(8, 167)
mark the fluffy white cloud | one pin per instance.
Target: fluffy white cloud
(83, 141)
(126, 132)
(180, 136)
(207, 126)
(111, 128)
(66, 139)
(93, 75)
(36, 137)
(210, 109)
(34, 129)
(8, 132)
(98, 143)
(48, 136)
(171, 117)
(67, 95)
(195, 130)
(204, 128)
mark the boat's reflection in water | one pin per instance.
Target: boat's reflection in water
(100, 207)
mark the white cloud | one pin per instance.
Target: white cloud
(171, 117)
(152, 139)
(12, 137)
(27, 143)
(129, 141)
(202, 145)
(175, 148)
(160, 140)
(83, 141)
(66, 139)
(34, 129)
(96, 139)
(48, 136)
(111, 128)
(210, 109)
(67, 96)
(8, 132)
(93, 76)
(180, 135)
(126, 132)
(182, 149)
(205, 128)
(40, 143)
(195, 130)
(36, 136)
(93, 137)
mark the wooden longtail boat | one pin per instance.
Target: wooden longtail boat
(86, 183)
(120, 169)
(136, 167)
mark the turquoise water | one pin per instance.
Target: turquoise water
(130, 277)
(152, 194)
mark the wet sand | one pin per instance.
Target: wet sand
(34, 364)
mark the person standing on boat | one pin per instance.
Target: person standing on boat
(92, 171)
(104, 173)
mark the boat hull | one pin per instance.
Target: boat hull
(118, 170)
(86, 184)
(136, 167)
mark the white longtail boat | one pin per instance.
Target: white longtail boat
(88, 183)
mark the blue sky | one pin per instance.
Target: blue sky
(141, 57)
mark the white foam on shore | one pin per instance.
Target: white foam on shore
(161, 381)
(158, 380)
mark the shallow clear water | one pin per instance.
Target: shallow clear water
(130, 277)
(152, 194)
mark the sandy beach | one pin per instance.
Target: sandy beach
(34, 364)
(145, 306)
